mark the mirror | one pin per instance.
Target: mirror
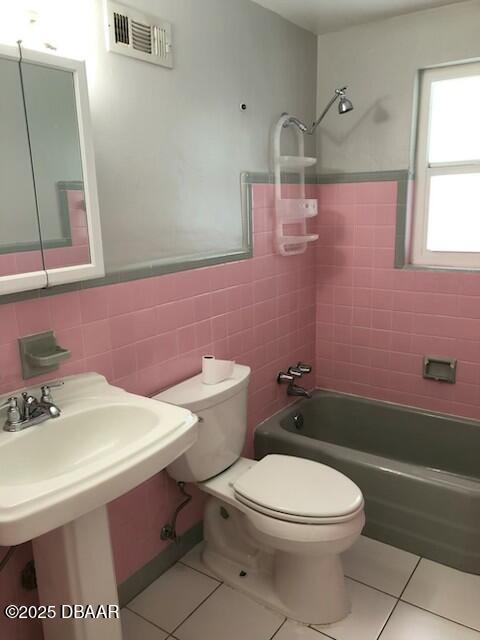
(48, 201)
(57, 164)
(19, 237)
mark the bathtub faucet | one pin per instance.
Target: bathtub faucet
(293, 374)
(296, 390)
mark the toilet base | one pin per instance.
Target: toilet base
(306, 588)
(260, 586)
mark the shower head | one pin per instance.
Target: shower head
(344, 106)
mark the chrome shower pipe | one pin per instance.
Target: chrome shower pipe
(344, 107)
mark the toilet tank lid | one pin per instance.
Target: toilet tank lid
(193, 394)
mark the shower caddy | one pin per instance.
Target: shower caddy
(290, 211)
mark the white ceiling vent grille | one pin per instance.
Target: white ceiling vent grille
(138, 35)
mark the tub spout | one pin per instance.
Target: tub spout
(297, 390)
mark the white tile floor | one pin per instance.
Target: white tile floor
(395, 596)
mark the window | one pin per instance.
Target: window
(446, 229)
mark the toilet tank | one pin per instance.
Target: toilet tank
(222, 412)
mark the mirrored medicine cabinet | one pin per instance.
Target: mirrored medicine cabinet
(49, 219)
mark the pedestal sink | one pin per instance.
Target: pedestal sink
(57, 477)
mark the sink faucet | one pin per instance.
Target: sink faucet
(295, 373)
(32, 411)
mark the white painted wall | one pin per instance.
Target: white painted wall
(379, 63)
(171, 144)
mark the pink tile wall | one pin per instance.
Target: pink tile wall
(375, 323)
(148, 334)
(370, 328)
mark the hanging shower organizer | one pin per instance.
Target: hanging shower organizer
(292, 211)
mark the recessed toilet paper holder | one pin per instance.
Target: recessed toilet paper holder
(440, 369)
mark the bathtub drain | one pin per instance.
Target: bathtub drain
(298, 421)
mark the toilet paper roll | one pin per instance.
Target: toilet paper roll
(215, 371)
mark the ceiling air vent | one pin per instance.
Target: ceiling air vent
(138, 35)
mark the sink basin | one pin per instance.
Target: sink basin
(93, 434)
(105, 442)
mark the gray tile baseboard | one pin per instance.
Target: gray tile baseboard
(144, 577)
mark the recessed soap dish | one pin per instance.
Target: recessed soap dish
(40, 354)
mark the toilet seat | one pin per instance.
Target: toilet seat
(296, 519)
(299, 491)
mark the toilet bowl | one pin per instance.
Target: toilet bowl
(275, 528)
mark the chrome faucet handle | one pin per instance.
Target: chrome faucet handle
(28, 398)
(29, 402)
(285, 378)
(14, 415)
(46, 393)
(10, 403)
(296, 372)
(304, 368)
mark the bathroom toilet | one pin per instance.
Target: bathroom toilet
(274, 529)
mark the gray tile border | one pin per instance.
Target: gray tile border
(127, 275)
(137, 272)
(401, 224)
(327, 178)
(22, 247)
(403, 177)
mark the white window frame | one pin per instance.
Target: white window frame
(425, 170)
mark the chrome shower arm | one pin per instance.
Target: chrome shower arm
(292, 120)
(338, 93)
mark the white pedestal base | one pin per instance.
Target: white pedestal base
(74, 565)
